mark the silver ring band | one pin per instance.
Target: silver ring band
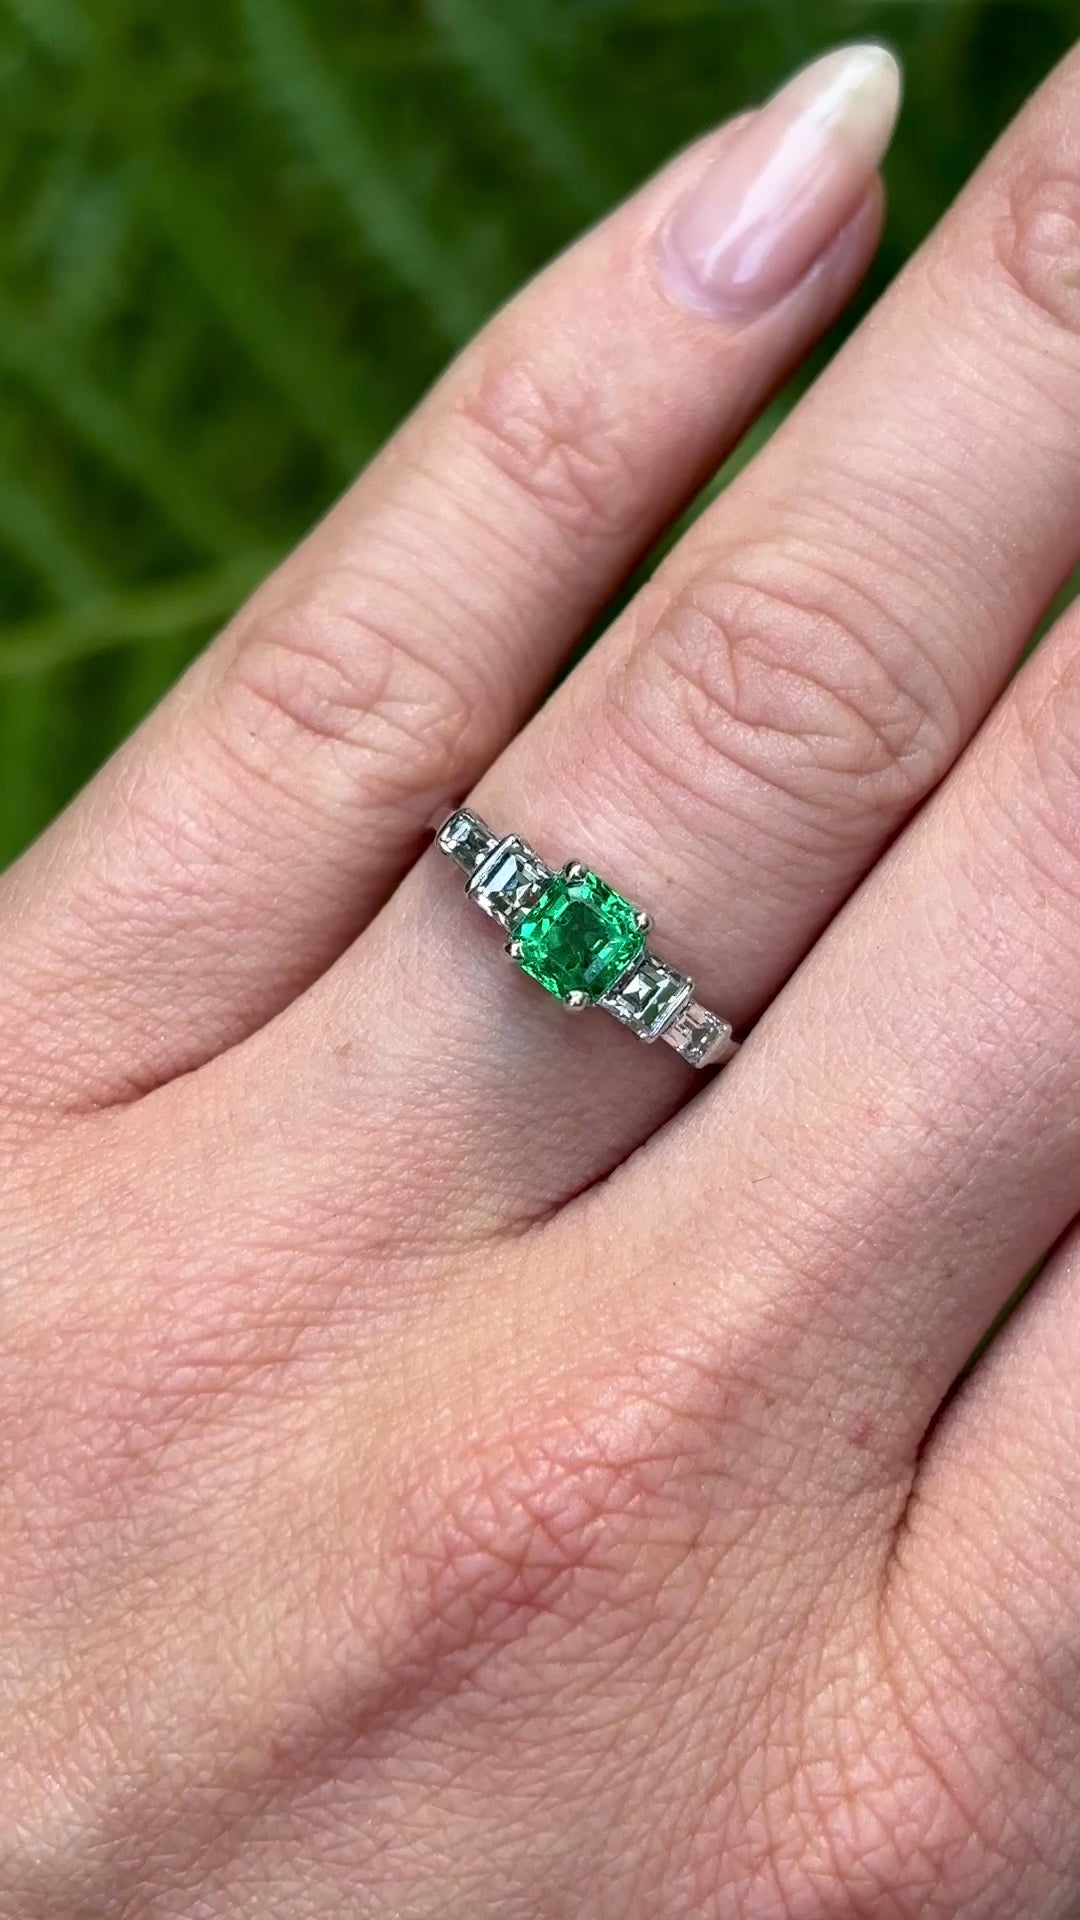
(582, 941)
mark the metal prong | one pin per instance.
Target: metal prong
(643, 921)
(512, 949)
(575, 870)
(576, 1002)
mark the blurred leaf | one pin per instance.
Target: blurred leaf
(56, 25)
(42, 359)
(286, 344)
(295, 80)
(156, 614)
(496, 51)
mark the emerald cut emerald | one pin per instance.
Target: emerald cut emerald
(579, 938)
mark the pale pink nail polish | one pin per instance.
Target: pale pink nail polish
(790, 179)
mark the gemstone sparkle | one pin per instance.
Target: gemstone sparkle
(579, 938)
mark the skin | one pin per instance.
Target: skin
(450, 1465)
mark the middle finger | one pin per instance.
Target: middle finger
(791, 684)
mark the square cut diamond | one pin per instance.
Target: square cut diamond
(509, 882)
(650, 998)
(697, 1033)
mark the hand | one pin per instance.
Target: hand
(440, 1478)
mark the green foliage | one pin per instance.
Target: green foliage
(240, 236)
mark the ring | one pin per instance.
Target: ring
(582, 941)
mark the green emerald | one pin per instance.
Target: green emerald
(580, 937)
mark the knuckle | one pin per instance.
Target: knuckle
(788, 677)
(561, 1516)
(326, 688)
(560, 447)
(342, 675)
(1036, 242)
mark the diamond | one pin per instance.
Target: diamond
(699, 1035)
(509, 881)
(580, 937)
(650, 998)
(466, 839)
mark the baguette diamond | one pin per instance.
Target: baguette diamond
(466, 840)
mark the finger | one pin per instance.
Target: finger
(257, 821)
(802, 671)
(911, 1099)
(982, 1613)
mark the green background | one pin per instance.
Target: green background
(239, 237)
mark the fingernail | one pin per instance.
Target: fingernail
(790, 179)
